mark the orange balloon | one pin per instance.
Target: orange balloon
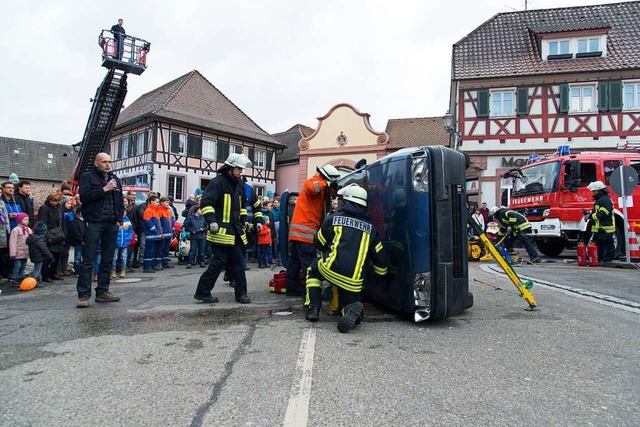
(28, 283)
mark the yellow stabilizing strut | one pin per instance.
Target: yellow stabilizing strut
(524, 292)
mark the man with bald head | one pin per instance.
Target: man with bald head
(102, 210)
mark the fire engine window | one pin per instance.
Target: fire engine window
(636, 165)
(609, 167)
(587, 174)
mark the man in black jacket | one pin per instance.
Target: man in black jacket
(102, 210)
(118, 35)
(25, 200)
(225, 216)
(347, 240)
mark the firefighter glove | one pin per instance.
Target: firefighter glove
(213, 227)
(259, 227)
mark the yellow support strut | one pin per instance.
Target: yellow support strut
(510, 272)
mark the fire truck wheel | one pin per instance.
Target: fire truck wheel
(549, 246)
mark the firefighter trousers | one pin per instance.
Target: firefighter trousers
(314, 291)
(231, 257)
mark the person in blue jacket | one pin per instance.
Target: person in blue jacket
(152, 234)
(196, 225)
(125, 234)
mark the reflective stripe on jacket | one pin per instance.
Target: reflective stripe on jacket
(508, 218)
(222, 203)
(602, 216)
(348, 239)
(310, 210)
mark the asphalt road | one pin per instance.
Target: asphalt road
(160, 358)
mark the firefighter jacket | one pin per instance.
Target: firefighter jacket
(311, 208)
(151, 222)
(222, 203)
(602, 214)
(252, 205)
(167, 221)
(347, 241)
(508, 218)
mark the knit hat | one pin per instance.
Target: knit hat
(40, 229)
(197, 192)
(14, 178)
(64, 199)
(20, 217)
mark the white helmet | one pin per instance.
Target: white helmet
(493, 210)
(596, 186)
(236, 160)
(328, 172)
(354, 193)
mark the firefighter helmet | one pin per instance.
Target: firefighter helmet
(493, 210)
(236, 160)
(354, 193)
(328, 172)
(596, 186)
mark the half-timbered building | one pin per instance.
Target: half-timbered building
(175, 138)
(528, 82)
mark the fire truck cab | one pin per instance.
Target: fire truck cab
(552, 191)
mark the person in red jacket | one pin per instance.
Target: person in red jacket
(264, 243)
(312, 206)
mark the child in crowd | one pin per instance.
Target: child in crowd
(38, 251)
(264, 244)
(75, 238)
(196, 225)
(167, 222)
(152, 234)
(123, 239)
(18, 249)
(69, 216)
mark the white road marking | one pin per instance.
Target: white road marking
(298, 408)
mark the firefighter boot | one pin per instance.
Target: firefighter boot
(352, 315)
(313, 314)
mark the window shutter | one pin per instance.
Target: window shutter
(223, 151)
(132, 146)
(603, 96)
(522, 109)
(252, 153)
(269, 159)
(564, 98)
(175, 142)
(483, 103)
(615, 96)
(194, 146)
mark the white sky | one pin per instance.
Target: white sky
(281, 61)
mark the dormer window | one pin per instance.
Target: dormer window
(562, 46)
(589, 45)
(559, 47)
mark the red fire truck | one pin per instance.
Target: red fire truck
(552, 191)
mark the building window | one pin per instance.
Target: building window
(125, 147)
(632, 96)
(175, 188)
(259, 190)
(589, 45)
(209, 148)
(178, 143)
(502, 103)
(141, 145)
(261, 159)
(582, 99)
(559, 47)
(237, 149)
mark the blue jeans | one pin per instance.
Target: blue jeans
(18, 268)
(103, 235)
(36, 272)
(197, 247)
(77, 257)
(123, 258)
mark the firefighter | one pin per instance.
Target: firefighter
(347, 241)
(519, 225)
(223, 211)
(604, 223)
(311, 208)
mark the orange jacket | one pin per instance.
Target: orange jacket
(310, 211)
(264, 235)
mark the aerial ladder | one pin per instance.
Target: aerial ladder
(121, 56)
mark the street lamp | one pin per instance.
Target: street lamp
(449, 127)
(150, 171)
